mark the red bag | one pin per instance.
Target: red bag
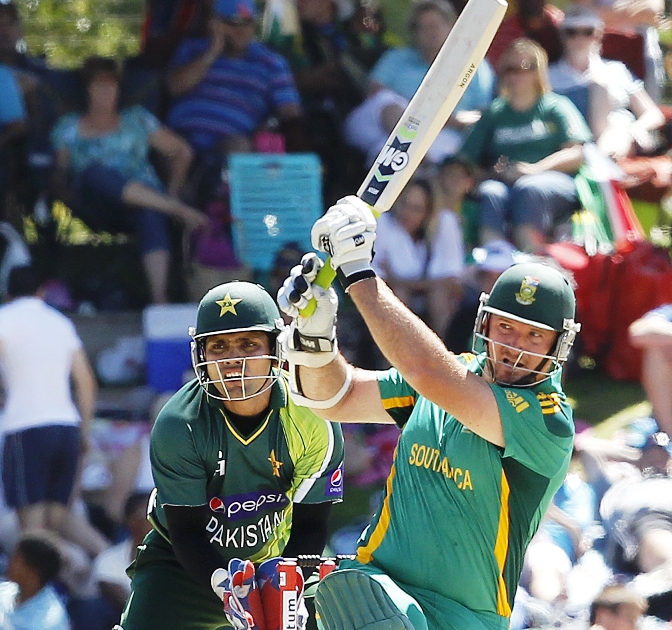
(594, 278)
(642, 281)
(612, 292)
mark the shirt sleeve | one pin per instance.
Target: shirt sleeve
(384, 70)
(480, 91)
(447, 248)
(538, 428)
(316, 446)
(282, 86)
(179, 471)
(572, 125)
(397, 395)
(12, 108)
(64, 133)
(474, 145)
(188, 51)
(144, 119)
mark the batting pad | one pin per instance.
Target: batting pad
(352, 600)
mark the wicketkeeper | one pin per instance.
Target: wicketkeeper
(243, 475)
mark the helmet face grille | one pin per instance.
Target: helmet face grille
(236, 307)
(536, 295)
(233, 378)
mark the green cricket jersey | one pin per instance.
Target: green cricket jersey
(248, 482)
(458, 511)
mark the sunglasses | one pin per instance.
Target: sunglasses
(579, 32)
(239, 22)
(523, 66)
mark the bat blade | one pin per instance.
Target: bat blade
(427, 113)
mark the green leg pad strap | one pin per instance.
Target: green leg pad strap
(352, 600)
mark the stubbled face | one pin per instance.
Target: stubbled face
(516, 350)
(239, 363)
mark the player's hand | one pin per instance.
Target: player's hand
(237, 588)
(347, 232)
(309, 341)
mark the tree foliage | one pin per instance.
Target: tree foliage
(67, 31)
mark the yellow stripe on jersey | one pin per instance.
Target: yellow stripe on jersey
(398, 402)
(502, 548)
(251, 438)
(365, 553)
(550, 403)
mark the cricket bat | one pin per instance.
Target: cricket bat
(427, 113)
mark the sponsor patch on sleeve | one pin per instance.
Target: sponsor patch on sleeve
(334, 488)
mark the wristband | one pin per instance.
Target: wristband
(303, 401)
(307, 343)
(347, 281)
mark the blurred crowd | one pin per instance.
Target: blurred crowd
(140, 146)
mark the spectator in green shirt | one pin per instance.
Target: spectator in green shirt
(530, 143)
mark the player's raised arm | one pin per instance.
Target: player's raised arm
(320, 377)
(525, 339)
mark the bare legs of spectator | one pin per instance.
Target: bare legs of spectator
(64, 521)
(657, 382)
(136, 193)
(443, 297)
(655, 549)
(156, 264)
(124, 472)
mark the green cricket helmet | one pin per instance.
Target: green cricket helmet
(538, 295)
(235, 307)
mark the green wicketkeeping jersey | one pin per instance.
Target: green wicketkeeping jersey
(248, 482)
(458, 511)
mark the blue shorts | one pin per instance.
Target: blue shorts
(39, 465)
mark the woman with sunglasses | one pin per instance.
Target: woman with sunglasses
(530, 141)
(619, 110)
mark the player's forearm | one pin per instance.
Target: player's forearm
(323, 383)
(401, 336)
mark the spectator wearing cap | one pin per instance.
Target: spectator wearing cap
(652, 333)
(226, 86)
(620, 112)
(490, 261)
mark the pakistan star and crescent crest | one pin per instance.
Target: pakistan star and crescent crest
(227, 305)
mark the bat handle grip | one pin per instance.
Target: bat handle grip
(325, 276)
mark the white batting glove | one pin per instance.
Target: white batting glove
(309, 341)
(347, 232)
